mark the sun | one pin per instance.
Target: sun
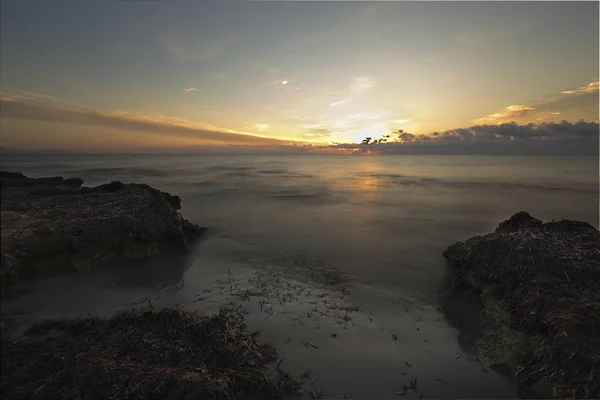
(374, 131)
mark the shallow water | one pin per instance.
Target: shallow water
(311, 246)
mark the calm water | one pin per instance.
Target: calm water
(382, 221)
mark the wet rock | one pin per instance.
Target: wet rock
(17, 179)
(520, 221)
(54, 222)
(161, 354)
(540, 289)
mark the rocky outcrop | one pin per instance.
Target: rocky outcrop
(55, 222)
(143, 354)
(540, 285)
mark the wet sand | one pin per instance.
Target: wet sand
(341, 338)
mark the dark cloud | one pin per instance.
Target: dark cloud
(510, 138)
(70, 115)
(507, 138)
(512, 131)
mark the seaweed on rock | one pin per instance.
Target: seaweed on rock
(541, 290)
(159, 354)
(55, 222)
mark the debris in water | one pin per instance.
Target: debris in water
(278, 364)
(306, 344)
(413, 383)
(483, 368)
(314, 392)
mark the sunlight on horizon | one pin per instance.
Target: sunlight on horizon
(259, 76)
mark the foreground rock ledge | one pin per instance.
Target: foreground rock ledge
(147, 354)
(540, 285)
(51, 222)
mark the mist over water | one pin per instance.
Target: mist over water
(380, 221)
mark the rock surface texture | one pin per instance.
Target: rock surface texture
(55, 222)
(142, 354)
(540, 285)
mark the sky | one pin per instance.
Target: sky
(211, 75)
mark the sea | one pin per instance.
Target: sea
(340, 256)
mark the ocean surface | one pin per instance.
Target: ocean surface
(291, 224)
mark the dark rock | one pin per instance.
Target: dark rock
(12, 175)
(521, 220)
(116, 186)
(539, 390)
(148, 354)
(51, 222)
(112, 187)
(12, 179)
(193, 229)
(540, 286)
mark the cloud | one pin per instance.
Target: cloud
(572, 104)
(547, 115)
(590, 88)
(40, 96)
(317, 133)
(507, 138)
(15, 97)
(510, 113)
(190, 89)
(340, 102)
(33, 97)
(261, 127)
(148, 123)
(362, 83)
(587, 93)
(242, 149)
(512, 131)
(183, 54)
(281, 83)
